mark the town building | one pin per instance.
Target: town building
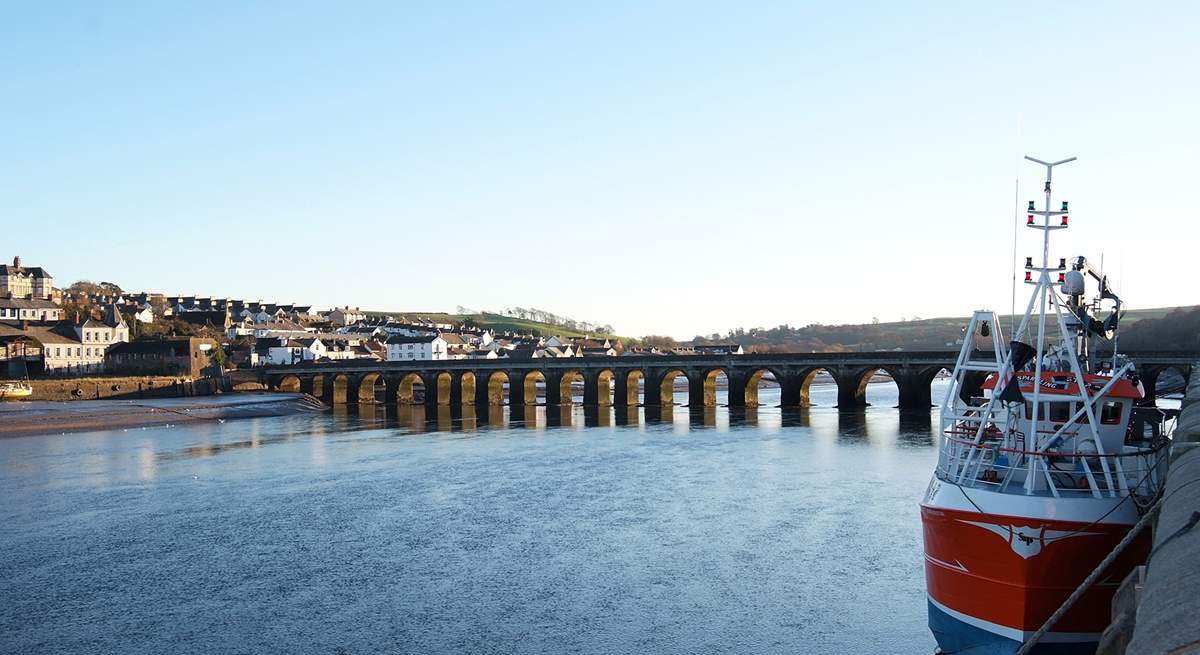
(173, 356)
(343, 316)
(65, 348)
(29, 309)
(17, 281)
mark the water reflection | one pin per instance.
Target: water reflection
(347, 528)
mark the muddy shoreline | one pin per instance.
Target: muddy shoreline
(23, 419)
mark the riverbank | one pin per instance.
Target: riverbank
(20, 419)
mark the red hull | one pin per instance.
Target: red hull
(1014, 571)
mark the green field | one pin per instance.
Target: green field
(499, 323)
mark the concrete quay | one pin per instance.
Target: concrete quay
(1157, 609)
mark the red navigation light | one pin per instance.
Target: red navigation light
(1064, 219)
(1062, 277)
(1028, 276)
(1029, 221)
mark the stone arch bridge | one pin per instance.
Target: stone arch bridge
(618, 380)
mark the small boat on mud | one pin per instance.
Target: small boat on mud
(15, 390)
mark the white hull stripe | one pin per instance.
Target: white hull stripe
(1013, 633)
(957, 565)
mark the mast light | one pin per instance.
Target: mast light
(1029, 262)
(1064, 205)
(1031, 207)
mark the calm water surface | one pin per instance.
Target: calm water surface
(770, 532)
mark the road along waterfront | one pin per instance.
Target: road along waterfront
(764, 531)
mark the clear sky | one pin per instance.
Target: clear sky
(668, 168)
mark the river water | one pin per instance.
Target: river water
(768, 532)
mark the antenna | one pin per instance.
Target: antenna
(1012, 310)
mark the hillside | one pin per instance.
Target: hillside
(500, 323)
(1169, 328)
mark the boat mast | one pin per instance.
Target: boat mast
(1043, 285)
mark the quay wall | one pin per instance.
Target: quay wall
(146, 386)
(1158, 604)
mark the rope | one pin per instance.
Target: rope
(1090, 580)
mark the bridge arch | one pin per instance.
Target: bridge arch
(666, 386)
(339, 389)
(466, 387)
(601, 387)
(498, 384)
(566, 386)
(407, 389)
(368, 386)
(713, 379)
(289, 384)
(534, 382)
(318, 385)
(443, 383)
(818, 375)
(756, 380)
(868, 386)
(634, 380)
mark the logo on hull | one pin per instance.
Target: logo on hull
(1027, 541)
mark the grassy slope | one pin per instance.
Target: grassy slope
(498, 323)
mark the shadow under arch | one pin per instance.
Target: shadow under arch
(289, 384)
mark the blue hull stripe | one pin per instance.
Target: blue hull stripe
(958, 638)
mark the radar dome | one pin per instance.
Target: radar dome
(1073, 283)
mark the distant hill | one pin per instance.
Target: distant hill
(1167, 328)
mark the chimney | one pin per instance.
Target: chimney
(17, 262)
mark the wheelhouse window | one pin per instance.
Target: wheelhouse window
(1110, 414)
(1060, 412)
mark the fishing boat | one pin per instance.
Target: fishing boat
(14, 390)
(1045, 464)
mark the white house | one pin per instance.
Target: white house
(401, 348)
(282, 351)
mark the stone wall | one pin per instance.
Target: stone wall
(91, 388)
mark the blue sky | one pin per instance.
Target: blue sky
(675, 168)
